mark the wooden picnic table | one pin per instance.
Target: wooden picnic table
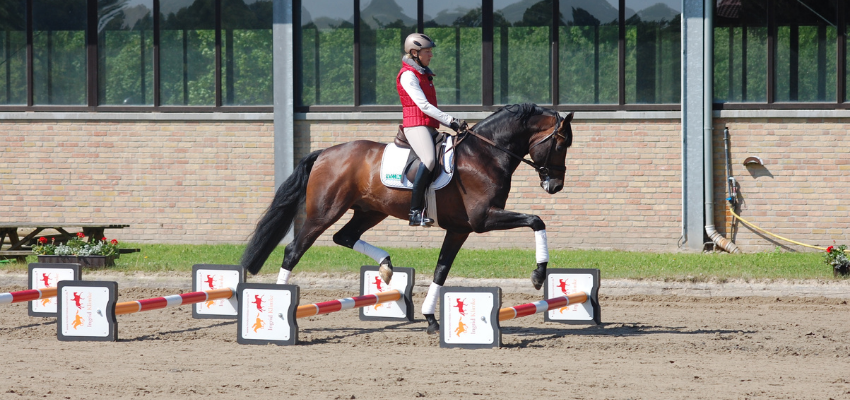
(21, 247)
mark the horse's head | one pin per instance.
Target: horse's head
(548, 149)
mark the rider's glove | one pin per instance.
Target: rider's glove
(458, 125)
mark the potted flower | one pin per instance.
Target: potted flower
(837, 258)
(94, 253)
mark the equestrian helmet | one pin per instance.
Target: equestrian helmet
(418, 41)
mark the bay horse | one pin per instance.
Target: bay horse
(346, 176)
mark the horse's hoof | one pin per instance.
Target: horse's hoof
(386, 272)
(433, 325)
(538, 276)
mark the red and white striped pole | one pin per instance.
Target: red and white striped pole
(347, 303)
(525, 310)
(27, 295)
(156, 303)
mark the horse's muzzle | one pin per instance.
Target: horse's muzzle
(551, 186)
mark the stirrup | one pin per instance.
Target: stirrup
(417, 219)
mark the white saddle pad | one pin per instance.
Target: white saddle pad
(392, 166)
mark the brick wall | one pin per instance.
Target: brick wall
(622, 189)
(208, 182)
(192, 182)
(801, 193)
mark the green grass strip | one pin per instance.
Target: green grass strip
(509, 263)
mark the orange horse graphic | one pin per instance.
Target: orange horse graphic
(258, 300)
(78, 321)
(45, 302)
(461, 328)
(258, 324)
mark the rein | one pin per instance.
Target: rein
(544, 170)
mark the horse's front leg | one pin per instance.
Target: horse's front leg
(451, 246)
(499, 219)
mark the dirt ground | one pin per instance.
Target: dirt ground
(648, 347)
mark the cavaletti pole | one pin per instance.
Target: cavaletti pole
(347, 303)
(27, 295)
(156, 303)
(537, 307)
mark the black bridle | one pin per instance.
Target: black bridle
(544, 169)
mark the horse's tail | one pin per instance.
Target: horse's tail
(280, 215)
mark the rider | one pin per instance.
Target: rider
(415, 85)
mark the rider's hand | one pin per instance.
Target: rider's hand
(458, 125)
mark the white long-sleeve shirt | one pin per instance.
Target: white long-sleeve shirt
(410, 83)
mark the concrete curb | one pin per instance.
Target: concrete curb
(610, 287)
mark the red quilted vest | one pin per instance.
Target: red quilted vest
(413, 115)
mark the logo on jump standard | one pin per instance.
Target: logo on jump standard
(465, 308)
(562, 284)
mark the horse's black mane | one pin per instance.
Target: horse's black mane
(515, 112)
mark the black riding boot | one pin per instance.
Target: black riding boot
(417, 198)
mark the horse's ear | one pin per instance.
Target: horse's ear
(569, 117)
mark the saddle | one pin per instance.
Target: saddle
(411, 165)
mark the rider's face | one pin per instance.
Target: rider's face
(425, 57)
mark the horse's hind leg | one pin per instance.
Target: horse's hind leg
(306, 236)
(349, 236)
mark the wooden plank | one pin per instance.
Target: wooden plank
(61, 224)
(16, 253)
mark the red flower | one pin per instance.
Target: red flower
(829, 249)
(114, 241)
(103, 240)
(80, 235)
(42, 240)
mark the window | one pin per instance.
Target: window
(805, 50)
(247, 50)
(13, 52)
(383, 28)
(587, 55)
(740, 52)
(653, 51)
(327, 59)
(803, 64)
(59, 52)
(187, 53)
(521, 66)
(456, 28)
(125, 48)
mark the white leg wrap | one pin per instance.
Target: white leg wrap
(542, 246)
(367, 249)
(283, 277)
(430, 303)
